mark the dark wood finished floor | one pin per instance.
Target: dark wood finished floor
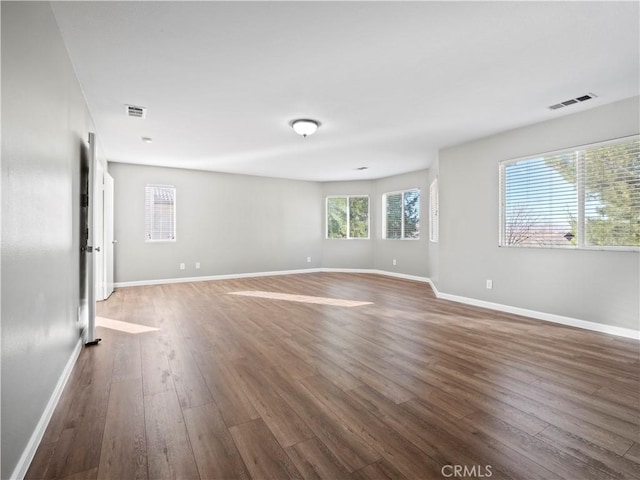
(234, 386)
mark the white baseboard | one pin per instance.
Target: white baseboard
(139, 283)
(346, 270)
(415, 278)
(548, 317)
(30, 450)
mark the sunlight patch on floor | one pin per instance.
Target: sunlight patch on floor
(123, 326)
(337, 302)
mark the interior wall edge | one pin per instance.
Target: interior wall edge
(34, 441)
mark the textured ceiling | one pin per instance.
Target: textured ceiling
(391, 82)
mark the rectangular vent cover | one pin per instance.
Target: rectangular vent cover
(135, 111)
(573, 101)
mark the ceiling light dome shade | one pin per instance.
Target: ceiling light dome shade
(305, 126)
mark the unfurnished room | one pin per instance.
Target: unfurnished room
(320, 240)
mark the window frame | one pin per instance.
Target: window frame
(175, 210)
(434, 211)
(580, 197)
(384, 213)
(348, 237)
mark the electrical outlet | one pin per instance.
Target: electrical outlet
(394, 262)
(308, 259)
(489, 284)
(182, 266)
(197, 265)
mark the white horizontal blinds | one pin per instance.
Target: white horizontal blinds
(393, 215)
(433, 211)
(160, 213)
(401, 216)
(411, 214)
(586, 197)
(540, 206)
(336, 217)
(358, 217)
(612, 195)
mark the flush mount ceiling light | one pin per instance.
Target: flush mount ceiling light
(304, 126)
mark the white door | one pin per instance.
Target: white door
(109, 241)
(91, 238)
(98, 231)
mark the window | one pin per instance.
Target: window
(348, 217)
(585, 197)
(401, 215)
(433, 211)
(159, 213)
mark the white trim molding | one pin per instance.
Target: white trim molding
(30, 450)
(547, 317)
(231, 276)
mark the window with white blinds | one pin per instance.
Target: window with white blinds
(433, 211)
(347, 216)
(585, 197)
(401, 215)
(159, 213)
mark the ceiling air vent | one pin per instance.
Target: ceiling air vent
(134, 111)
(572, 101)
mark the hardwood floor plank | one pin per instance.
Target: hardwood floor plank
(493, 452)
(216, 454)
(40, 463)
(381, 470)
(436, 442)
(602, 459)
(262, 455)
(169, 453)
(128, 361)
(285, 424)
(581, 427)
(91, 474)
(628, 400)
(124, 447)
(464, 397)
(78, 449)
(79, 446)
(345, 444)
(292, 365)
(156, 373)
(366, 374)
(225, 388)
(535, 449)
(321, 365)
(87, 391)
(407, 458)
(315, 462)
(633, 453)
(187, 378)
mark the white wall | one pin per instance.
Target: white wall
(412, 256)
(597, 286)
(45, 124)
(229, 223)
(349, 253)
(235, 224)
